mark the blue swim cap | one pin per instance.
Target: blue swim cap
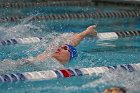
(73, 52)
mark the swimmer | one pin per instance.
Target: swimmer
(65, 53)
(115, 90)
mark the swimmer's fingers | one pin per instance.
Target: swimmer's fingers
(94, 31)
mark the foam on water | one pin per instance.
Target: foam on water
(117, 78)
(21, 29)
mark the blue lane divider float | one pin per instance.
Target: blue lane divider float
(133, 3)
(69, 16)
(64, 73)
(46, 3)
(20, 41)
(100, 36)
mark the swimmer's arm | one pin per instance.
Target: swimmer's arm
(77, 38)
(40, 58)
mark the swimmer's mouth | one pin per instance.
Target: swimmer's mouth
(57, 51)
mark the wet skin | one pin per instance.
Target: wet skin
(62, 54)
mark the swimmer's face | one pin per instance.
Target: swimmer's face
(62, 54)
(113, 90)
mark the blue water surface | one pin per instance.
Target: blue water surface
(91, 52)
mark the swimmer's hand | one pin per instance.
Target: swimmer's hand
(91, 30)
(27, 61)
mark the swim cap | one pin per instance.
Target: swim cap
(73, 52)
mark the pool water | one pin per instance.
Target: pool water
(91, 53)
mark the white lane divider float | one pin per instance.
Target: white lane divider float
(100, 36)
(64, 73)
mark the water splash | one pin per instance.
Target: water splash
(22, 29)
(129, 80)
